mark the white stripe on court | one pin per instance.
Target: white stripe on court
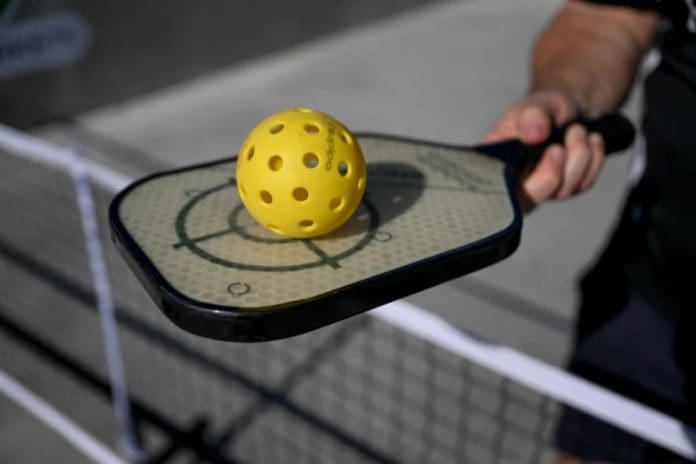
(52, 418)
(594, 400)
(624, 413)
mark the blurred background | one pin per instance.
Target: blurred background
(63, 58)
(144, 86)
(141, 87)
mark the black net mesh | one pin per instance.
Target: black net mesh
(358, 391)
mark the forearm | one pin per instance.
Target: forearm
(591, 53)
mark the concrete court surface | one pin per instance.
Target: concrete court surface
(443, 73)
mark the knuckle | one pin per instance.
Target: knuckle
(576, 135)
(563, 194)
(587, 185)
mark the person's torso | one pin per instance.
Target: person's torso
(669, 181)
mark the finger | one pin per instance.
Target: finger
(546, 178)
(596, 163)
(534, 125)
(577, 162)
(504, 129)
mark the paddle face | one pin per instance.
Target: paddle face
(430, 213)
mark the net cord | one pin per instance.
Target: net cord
(36, 150)
(51, 417)
(592, 399)
(33, 148)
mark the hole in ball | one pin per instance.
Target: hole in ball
(306, 224)
(336, 203)
(275, 163)
(300, 194)
(266, 197)
(311, 128)
(311, 160)
(346, 138)
(250, 154)
(273, 228)
(361, 183)
(343, 168)
(277, 128)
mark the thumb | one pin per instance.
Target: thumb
(534, 125)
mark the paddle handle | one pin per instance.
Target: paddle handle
(616, 130)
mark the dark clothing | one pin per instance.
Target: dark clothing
(665, 268)
(677, 11)
(626, 344)
(636, 329)
(669, 252)
(664, 263)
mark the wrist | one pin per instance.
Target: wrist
(565, 90)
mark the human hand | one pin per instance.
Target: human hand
(563, 170)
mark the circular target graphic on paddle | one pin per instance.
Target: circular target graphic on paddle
(240, 226)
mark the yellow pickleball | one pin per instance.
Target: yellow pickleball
(301, 173)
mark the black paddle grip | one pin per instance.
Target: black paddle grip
(617, 130)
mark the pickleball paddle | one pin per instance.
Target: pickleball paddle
(431, 212)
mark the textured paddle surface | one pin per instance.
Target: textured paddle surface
(421, 201)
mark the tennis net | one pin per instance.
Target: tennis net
(84, 349)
